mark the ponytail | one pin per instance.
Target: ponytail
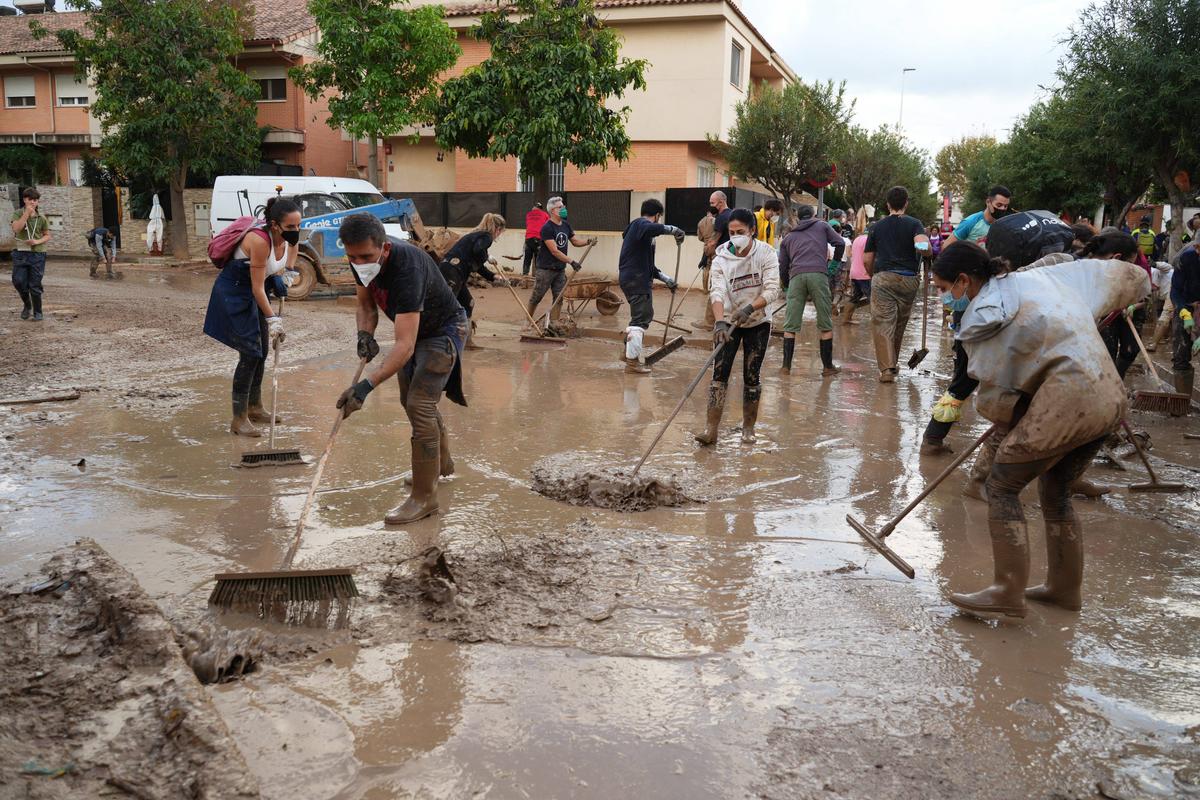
(279, 207)
(492, 223)
(968, 258)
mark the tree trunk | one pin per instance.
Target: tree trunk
(179, 229)
(1177, 200)
(373, 160)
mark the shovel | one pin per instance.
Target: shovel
(919, 355)
(876, 539)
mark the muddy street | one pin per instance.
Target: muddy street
(744, 643)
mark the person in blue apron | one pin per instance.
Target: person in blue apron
(239, 309)
(430, 328)
(470, 254)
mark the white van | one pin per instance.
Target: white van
(323, 204)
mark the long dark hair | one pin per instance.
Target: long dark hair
(968, 258)
(279, 207)
(1111, 245)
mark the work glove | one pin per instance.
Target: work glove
(279, 286)
(678, 233)
(368, 348)
(575, 265)
(1132, 307)
(721, 333)
(1188, 322)
(671, 284)
(353, 398)
(500, 281)
(947, 409)
(592, 240)
(743, 314)
(275, 330)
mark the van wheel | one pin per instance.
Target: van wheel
(305, 279)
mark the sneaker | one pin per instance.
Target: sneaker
(888, 376)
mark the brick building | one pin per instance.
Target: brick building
(704, 57)
(45, 106)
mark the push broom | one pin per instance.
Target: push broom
(876, 539)
(303, 597)
(1164, 402)
(1155, 485)
(272, 457)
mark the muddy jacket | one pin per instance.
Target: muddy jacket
(738, 280)
(1032, 343)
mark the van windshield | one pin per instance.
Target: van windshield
(316, 205)
(360, 199)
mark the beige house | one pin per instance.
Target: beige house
(704, 57)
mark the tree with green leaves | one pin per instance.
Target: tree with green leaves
(168, 97)
(871, 162)
(954, 161)
(26, 164)
(787, 140)
(381, 63)
(1141, 53)
(545, 92)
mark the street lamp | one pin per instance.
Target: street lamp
(903, 74)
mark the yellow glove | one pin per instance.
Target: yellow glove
(947, 409)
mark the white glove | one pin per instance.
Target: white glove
(275, 329)
(290, 277)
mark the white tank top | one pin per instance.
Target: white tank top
(274, 265)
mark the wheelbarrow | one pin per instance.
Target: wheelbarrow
(581, 293)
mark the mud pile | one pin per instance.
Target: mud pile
(565, 478)
(95, 696)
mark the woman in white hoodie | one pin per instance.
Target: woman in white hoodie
(744, 280)
(1050, 387)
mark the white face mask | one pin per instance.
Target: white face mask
(739, 243)
(365, 273)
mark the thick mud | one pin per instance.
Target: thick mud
(516, 645)
(563, 477)
(96, 697)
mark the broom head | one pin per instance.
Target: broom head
(891, 555)
(665, 350)
(272, 458)
(1177, 405)
(1172, 488)
(313, 598)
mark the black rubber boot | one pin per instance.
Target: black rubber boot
(27, 303)
(37, 306)
(716, 407)
(827, 359)
(789, 350)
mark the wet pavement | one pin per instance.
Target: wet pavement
(749, 645)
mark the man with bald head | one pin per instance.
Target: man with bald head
(718, 206)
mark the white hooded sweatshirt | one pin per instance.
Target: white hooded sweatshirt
(738, 280)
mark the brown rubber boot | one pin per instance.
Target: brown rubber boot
(749, 420)
(1006, 596)
(716, 407)
(1160, 333)
(423, 501)
(1184, 381)
(241, 425)
(935, 447)
(445, 462)
(1064, 567)
(1086, 488)
(636, 367)
(258, 414)
(847, 315)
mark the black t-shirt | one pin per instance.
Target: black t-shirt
(562, 235)
(721, 226)
(891, 240)
(410, 281)
(469, 254)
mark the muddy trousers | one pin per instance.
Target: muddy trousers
(753, 342)
(1121, 343)
(28, 269)
(547, 280)
(892, 297)
(1010, 536)
(248, 375)
(421, 387)
(1181, 356)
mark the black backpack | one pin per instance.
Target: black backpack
(1024, 237)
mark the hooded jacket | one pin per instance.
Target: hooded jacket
(738, 280)
(1031, 341)
(806, 248)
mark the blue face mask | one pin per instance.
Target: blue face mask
(955, 304)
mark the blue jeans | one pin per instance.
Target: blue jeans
(27, 273)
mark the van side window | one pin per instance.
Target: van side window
(315, 205)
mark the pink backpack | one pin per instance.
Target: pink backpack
(225, 243)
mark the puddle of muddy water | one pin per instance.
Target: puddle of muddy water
(750, 645)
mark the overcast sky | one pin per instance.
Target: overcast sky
(978, 65)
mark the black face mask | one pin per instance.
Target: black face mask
(713, 210)
(997, 213)
(291, 237)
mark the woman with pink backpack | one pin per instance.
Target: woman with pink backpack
(239, 310)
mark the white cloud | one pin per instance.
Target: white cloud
(979, 65)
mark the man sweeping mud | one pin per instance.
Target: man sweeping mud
(430, 328)
(1046, 316)
(637, 273)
